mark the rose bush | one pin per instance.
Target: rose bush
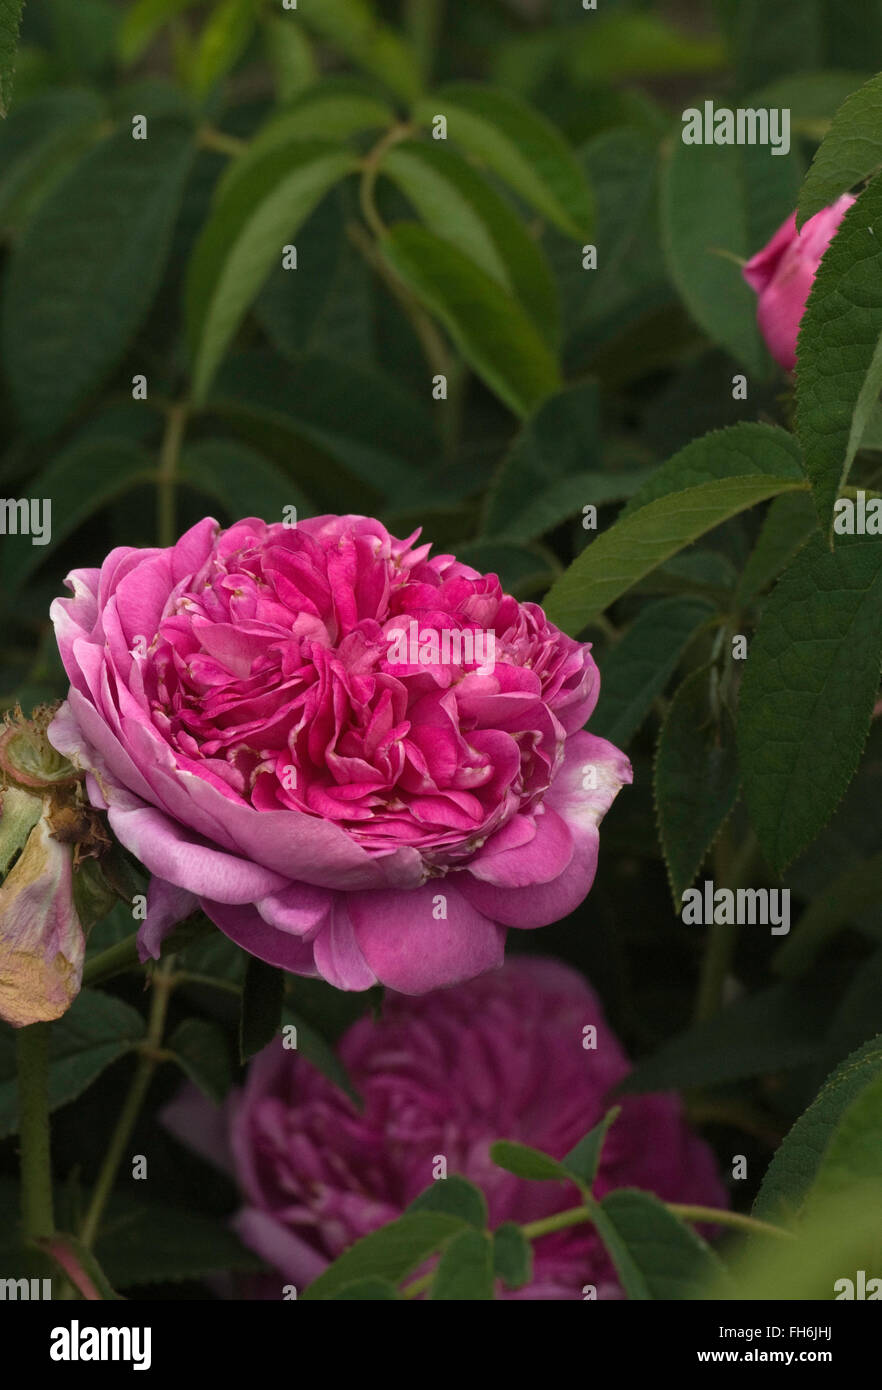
(783, 274)
(500, 1057)
(235, 701)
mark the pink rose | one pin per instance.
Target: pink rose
(783, 273)
(501, 1057)
(243, 711)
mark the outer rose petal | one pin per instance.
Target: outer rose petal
(412, 952)
(167, 851)
(280, 1247)
(243, 924)
(541, 859)
(166, 906)
(582, 809)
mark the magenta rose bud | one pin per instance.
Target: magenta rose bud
(507, 1056)
(361, 762)
(783, 273)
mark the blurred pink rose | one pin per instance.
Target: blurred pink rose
(500, 1057)
(783, 273)
(267, 749)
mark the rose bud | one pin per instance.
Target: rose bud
(360, 761)
(783, 273)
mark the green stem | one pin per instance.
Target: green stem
(440, 361)
(710, 1216)
(176, 424)
(579, 1216)
(150, 1056)
(114, 961)
(715, 968)
(211, 139)
(32, 1050)
(729, 872)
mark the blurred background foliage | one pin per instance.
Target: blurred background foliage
(312, 387)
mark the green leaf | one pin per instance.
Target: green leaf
(808, 692)
(839, 352)
(149, 1242)
(390, 1253)
(242, 480)
(456, 203)
(560, 440)
(290, 54)
(637, 669)
(454, 1196)
(857, 888)
(38, 143)
(561, 500)
(465, 1270)
(96, 1030)
(490, 328)
(634, 546)
(353, 27)
(583, 1160)
(833, 1242)
(262, 997)
(628, 44)
(222, 41)
(743, 450)
(656, 1255)
(512, 1256)
(201, 1051)
(141, 24)
(10, 22)
(770, 40)
(776, 1029)
(372, 1289)
(696, 779)
(85, 272)
(319, 1052)
(380, 445)
(77, 483)
(335, 110)
(526, 1162)
(518, 144)
(243, 239)
(849, 153)
(723, 198)
(788, 524)
(853, 1156)
(792, 1173)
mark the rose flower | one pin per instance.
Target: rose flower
(257, 728)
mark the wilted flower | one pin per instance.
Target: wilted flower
(441, 1077)
(43, 831)
(250, 719)
(783, 273)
